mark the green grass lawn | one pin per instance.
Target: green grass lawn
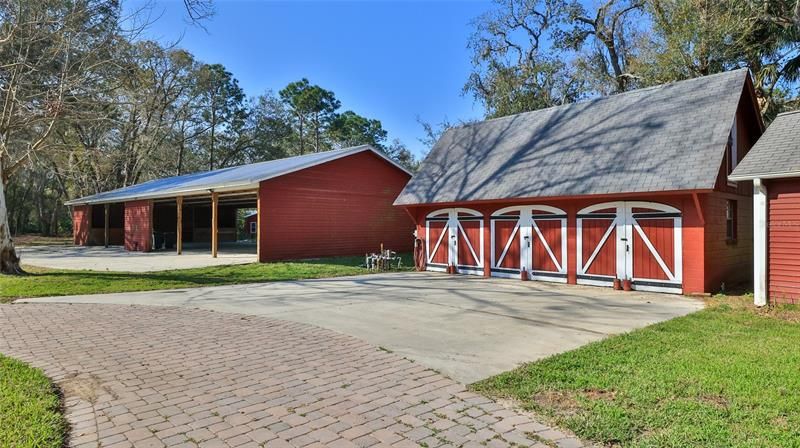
(727, 376)
(50, 282)
(30, 410)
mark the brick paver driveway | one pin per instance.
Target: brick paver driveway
(154, 376)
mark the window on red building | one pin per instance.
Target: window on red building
(731, 220)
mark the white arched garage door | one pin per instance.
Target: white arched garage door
(532, 239)
(454, 236)
(640, 241)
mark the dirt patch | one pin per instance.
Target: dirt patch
(39, 240)
(561, 402)
(780, 422)
(87, 387)
(717, 401)
(600, 394)
(787, 313)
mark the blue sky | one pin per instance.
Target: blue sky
(390, 60)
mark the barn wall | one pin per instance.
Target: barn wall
(342, 207)
(693, 231)
(783, 253)
(81, 223)
(139, 226)
(728, 262)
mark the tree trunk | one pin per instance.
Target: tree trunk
(9, 261)
(53, 227)
(302, 149)
(213, 128)
(180, 155)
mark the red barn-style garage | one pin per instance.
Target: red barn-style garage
(773, 165)
(316, 205)
(631, 187)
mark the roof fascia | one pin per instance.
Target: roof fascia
(521, 200)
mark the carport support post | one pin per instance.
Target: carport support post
(759, 243)
(105, 224)
(214, 219)
(258, 225)
(179, 229)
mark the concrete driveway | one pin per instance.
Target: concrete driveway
(116, 258)
(466, 327)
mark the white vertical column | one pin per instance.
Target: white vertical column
(624, 236)
(526, 240)
(452, 240)
(759, 242)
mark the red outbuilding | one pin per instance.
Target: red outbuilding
(251, 226)
(631, 187)
(773, 166)
(322, 204)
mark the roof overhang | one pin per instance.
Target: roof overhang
(784, 175)
(170, 194)
(528, 200)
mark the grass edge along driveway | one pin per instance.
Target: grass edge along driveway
(30, 408)
(728, 375)
(57, 282)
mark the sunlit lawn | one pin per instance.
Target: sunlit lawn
(727, 376)
(30, 409)
(51, 282)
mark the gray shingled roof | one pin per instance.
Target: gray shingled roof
(665, 138)
(225, 179)
(776, 154)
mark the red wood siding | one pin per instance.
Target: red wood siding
(693, 231)
(592, 231)
(551, 231)
(784, 241)
(81, 224)
(502, 232)
(139, 226)
(438, 254)
(661, 234)
(343, 207)
(728, 262)
(472, 230)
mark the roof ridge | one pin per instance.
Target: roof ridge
(788, 112)
(606, 97)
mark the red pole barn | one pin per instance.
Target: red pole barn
(631, 187)
(316, 205)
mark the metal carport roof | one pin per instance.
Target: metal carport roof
(225, 179)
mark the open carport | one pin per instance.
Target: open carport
(324, 204)
(466, 327)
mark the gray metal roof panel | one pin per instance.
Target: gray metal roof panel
(665, 138)
(222, 179)
(776, 154)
